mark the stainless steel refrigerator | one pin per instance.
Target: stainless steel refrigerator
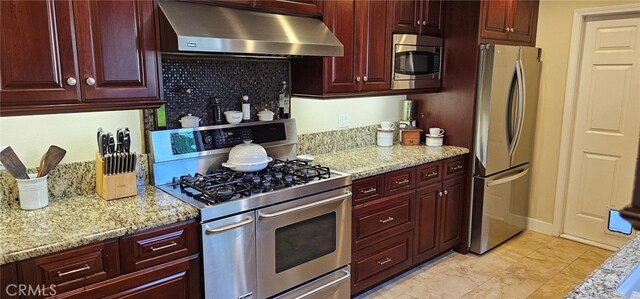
(507, 100)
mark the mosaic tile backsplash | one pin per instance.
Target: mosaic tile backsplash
(227, 78)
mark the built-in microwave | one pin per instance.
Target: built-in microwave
(416, 61)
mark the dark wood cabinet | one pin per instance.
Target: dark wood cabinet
(399, 181)
(427, 223)
(512, 22)
(8, 281)
(367, 189)
(364, 29)
(382, 218)
(418, 17)
(63, 56)
(302, 7)
(451, 213)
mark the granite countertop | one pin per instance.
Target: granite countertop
(80, 220)
(372, 160)
(603, 281)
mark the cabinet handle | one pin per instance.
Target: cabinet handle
(164, 247)
(90, 81)
(358, 79)
(368, 191)
(506, 29)
(365, 78)
(382, 262)
(456, 168)
(86, 267)
(428, 175)
(511, 29)
(440, 193)
(446, 192)
(424, 23)
(418, 22)
(405, 181)
(386, 220)
(71, 81)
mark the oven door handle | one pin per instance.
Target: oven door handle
(228, 227)
(346, 273)
(304, 207)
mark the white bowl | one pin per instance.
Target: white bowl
(233, 117)
(265, 115)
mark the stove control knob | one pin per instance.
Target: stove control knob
(208, 140)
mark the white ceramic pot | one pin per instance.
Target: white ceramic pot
(233, 117)
(385, 137)
(434, 140)
(265, 115)
(247, 157)
(190, 121)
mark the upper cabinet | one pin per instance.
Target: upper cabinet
(364, 29)
(418, 17)
(63, 56)
(511, 22)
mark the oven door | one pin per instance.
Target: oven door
(302, 239)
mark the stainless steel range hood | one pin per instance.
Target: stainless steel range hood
(190, 27)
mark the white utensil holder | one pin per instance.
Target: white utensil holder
(34, 193)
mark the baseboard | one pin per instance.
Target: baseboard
(589, 242)
(540, 226)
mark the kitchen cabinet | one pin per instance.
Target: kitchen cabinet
(418, 17)
(405, 217)
(8, 281)
(159, 263)
(511, 22)
(68, 56)
(364, 29)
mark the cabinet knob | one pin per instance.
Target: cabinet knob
(506, 29)
(90, 81)
(424, 23)
(365, 78)
(71, 81)
(418, 22)
(511, 29)
(440, 193)
(446, 192)
(358, 79)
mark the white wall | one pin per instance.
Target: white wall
(31, 136)
(319, 115)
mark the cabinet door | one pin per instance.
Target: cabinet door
(426, 229)
(300, 7)
(376, 46)
(340, 72)
(431, 20)
(37, 53)
(494, 19)
(451, 213)
(8, 280)
(406, 16)
(116, 49)
(525, 21)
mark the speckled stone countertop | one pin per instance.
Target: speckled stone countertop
(603, 281)
(80, 220)
(372, 160)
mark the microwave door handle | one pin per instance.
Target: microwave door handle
(346, 274)
(304, 207)
(406, 49)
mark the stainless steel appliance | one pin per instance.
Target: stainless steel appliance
(507, 100)
(283, 231)
(416, 61)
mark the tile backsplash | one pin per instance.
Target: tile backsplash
(226, 78)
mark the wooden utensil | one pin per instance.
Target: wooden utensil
(53, 157)
(13, 164)
(44, 156)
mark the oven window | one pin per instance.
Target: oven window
(304, 241)
(417, 63)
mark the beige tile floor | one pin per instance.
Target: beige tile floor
(530, 265)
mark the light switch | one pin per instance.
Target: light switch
(343, 120)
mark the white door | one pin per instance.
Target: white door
(606, 128)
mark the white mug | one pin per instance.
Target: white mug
(436, 131)
(387, 125)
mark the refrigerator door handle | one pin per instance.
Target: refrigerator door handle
(511, 114)
(491, 183)
(520, 107)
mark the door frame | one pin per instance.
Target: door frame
(568, 118)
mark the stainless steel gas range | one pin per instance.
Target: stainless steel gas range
(283, 232)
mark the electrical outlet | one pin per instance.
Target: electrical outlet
(343, 120)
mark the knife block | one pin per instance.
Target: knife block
(115, 185)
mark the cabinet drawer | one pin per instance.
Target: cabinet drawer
(454, 167)
(376, 263)
(429, 173)
(72, 269)
(399, 181)
(367, 189)
(387, 217)
(156, 246)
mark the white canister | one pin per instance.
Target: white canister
(385, 137)
(34, 193)
(434, 140)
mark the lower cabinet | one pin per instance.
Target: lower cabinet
(393, 233)
(8, 281)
